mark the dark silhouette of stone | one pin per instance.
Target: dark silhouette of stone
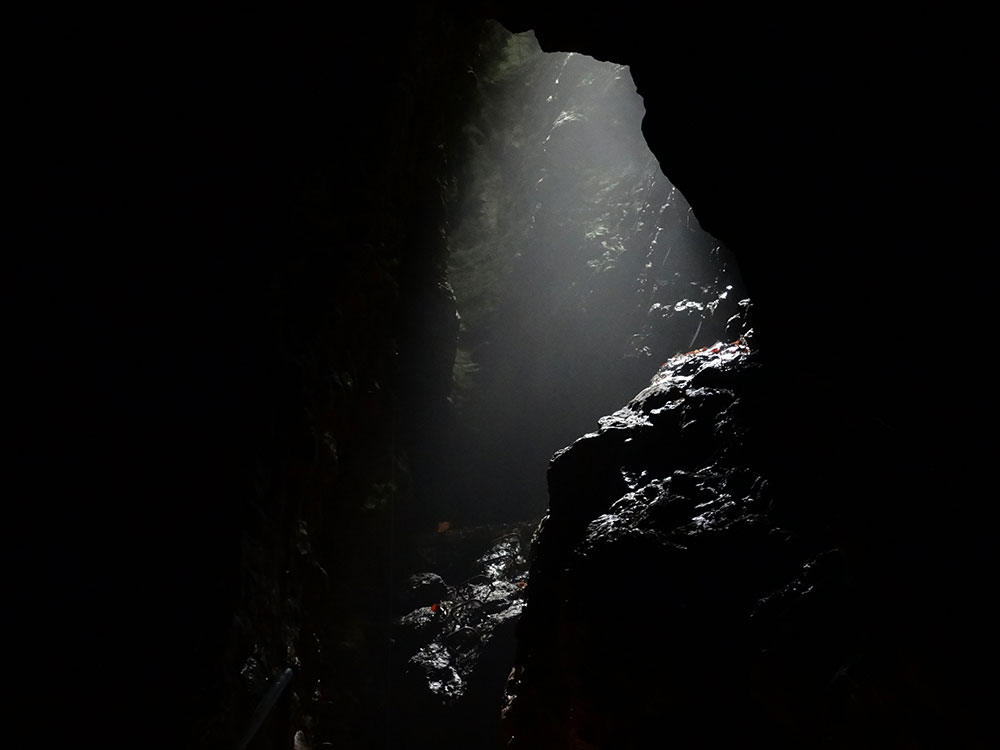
(669, 590)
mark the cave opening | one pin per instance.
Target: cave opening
(576, 266)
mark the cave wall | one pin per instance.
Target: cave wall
(226, 320)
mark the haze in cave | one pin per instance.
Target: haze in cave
(577, 269)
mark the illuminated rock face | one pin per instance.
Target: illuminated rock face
(676, 581)
(577, 269)
(658, 548)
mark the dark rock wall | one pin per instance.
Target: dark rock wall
(226, 318)
(678, 590)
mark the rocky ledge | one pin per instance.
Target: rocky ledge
(671, 593)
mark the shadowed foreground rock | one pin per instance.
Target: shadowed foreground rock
(673, 595)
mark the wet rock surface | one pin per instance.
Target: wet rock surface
(672, 595)
(456, 645)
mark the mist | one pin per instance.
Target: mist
(577, 269)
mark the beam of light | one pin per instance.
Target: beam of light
(577, 267)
